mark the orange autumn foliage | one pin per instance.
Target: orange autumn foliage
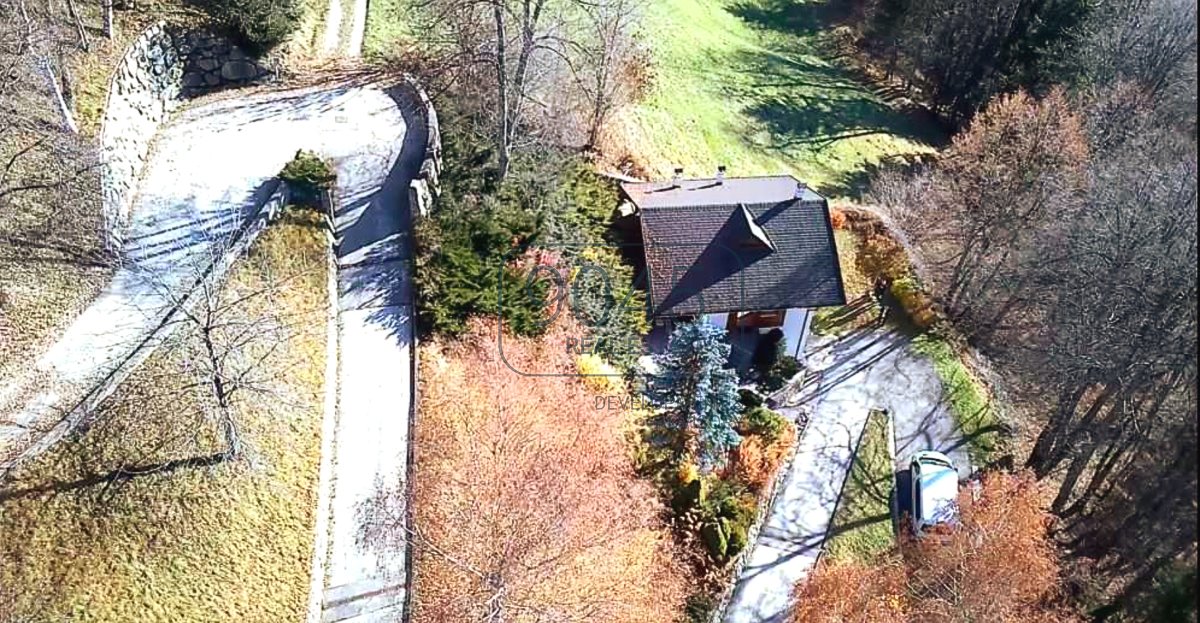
(997, 566)
(756, 462)
(526, 503)
(1000, 565)
(853, 593)
(837, 218)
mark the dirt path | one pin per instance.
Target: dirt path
(345, 26)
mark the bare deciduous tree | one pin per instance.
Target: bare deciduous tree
(230, 335)
(524, 63)
(526, 504)
(1003, 191)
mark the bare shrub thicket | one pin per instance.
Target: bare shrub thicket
(526, 504)
(997, 566)
(534, 71)
(1061, 236)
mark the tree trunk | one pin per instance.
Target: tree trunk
(500, 63)
(109, 26)
(56, 88)
(79, 29)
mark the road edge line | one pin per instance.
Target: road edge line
(328, 430)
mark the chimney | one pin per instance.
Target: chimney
(676, 177)
(720, 175)
(800, 188)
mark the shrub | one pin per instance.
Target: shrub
(763, 422)
(459, 248)
(737, 538)
(915, 302)
(751, 464)
(881, 256)
(770, 348)
(605, 301)
(260, 24)
(689, 495)
(727, 498)
(306, 176)
(750, 398)
(598, 374)
(715, 537)
(687, 472)
(779, 374)
(837, 218)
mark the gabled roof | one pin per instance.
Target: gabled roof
(742, 244)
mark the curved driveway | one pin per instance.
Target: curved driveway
(211, 168)
(868, 369)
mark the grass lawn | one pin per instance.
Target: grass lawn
(862, 525)
(860, 310)
(387, 25)
(754, 85)
(967, 396)
(217, 541)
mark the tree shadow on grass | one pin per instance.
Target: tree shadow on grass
(806, 105)
(856, 183)
(789, 16)
(802, 99)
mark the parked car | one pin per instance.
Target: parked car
(934, 491)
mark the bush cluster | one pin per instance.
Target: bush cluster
(763, 422)
(604, 296)
(306, 175)
(259, 24)
(599, 374)
(726, 514)
(749, 398)
(467, 249)
(916, 303)
(784, 369)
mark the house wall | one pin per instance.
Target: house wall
(795, 329)
(716, 319)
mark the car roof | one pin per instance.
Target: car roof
(939, 492)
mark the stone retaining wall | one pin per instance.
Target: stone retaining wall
(424, 188)
(163, 66)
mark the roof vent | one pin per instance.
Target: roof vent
(800, 188)
(720, 175)
(676, 177)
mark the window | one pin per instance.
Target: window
(760, 319)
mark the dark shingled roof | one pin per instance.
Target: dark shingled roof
(704, 257)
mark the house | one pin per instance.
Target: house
(745, 253)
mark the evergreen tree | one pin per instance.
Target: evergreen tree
(698, 391)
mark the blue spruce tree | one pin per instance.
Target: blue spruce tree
(698, 391)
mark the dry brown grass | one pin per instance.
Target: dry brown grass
(51, 260)
(230, 541)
